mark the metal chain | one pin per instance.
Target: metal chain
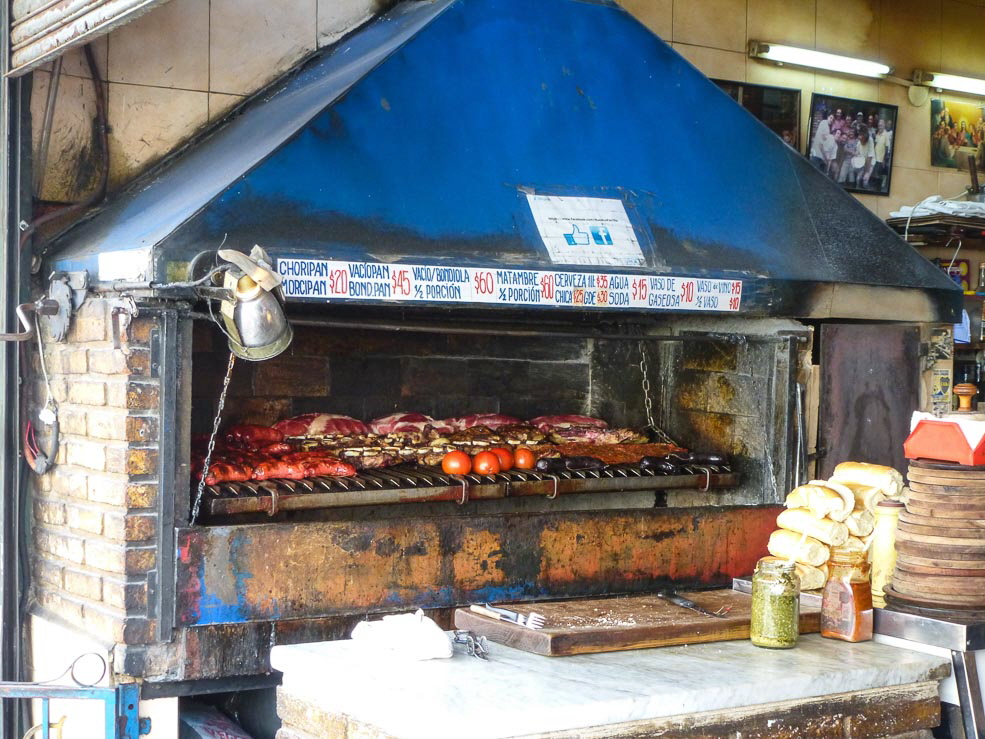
(215, 430)
(647, 390)
(658, 432)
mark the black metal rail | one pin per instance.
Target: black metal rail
(415, 484)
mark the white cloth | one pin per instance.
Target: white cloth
(962, 331)
(411, 636)
(937, 204)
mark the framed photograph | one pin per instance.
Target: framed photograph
(851, 141)
(777, 107)
(957, 134)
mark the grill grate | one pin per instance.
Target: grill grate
(414, 484)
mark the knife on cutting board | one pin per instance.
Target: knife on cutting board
(679, 600)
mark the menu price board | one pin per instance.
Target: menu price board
(315, 279)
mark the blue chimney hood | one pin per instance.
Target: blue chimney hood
(507, 153)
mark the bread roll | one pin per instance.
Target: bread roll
(811, 578)
(788, 545)
(860, 523)
(822, 501)
(887, 479)
(847, 498)
(867, 497)
(855, 544)
(802, 521)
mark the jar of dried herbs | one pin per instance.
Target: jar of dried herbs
(775, 619)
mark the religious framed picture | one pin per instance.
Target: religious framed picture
(777, 107)
(957, 134)
(851, 142)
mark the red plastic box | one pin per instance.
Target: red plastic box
(942, 440)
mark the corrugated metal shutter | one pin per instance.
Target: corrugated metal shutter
(44, 29)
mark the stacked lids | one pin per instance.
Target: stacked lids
(940, 539)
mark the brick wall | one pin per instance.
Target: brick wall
(369, 374)
(94, 512)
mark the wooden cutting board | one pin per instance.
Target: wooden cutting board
(630, 622)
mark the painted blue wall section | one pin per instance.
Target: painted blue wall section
(437, 118)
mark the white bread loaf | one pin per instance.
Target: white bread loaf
(788, 545)
(867, 497)
(855, 544)
(860, 523)
(819, 499)
(887, 479)
(811, 578)
(847, 498)
(801, 520)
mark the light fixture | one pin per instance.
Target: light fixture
(782, 54)
(949, 82)
(254, 318)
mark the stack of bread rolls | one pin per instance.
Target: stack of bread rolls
(838, 512)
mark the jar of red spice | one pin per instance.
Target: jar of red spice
(846, 602)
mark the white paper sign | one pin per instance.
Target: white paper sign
(591, 231)
(133, 264)
(318, 279)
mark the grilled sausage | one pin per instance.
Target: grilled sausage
(583, 463)
(659, 464)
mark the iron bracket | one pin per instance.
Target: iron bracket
(123, 311)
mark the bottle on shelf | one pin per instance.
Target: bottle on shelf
(775, 619)
(846, 601)
(882, 550)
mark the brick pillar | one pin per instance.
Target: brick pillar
(95, 514)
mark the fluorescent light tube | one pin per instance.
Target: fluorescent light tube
(817, 59)
(950, 82)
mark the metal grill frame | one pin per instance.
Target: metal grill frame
(416, 484)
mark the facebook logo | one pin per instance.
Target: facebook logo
(601, 235)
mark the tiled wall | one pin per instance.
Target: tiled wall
(941, 35)
(179, 67)
(189, 61)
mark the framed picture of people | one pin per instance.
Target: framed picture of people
(957, 134)
(777, 107)
(851, 142)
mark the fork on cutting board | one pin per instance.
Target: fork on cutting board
(530, 620)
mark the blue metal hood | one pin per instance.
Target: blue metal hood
(550, 154)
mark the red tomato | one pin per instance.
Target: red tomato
(456, 463)
(524, 459)
(485, 463)
(505, 457)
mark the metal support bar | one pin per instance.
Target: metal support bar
(969, 693)
(120, 702)
(44, 307)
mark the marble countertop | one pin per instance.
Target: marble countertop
(517, 693)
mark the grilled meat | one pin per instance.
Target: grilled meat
(552, 423)
(315, 424)
(227, 472)
(489, 420)
(408, 422)
(595, 435)
(251, 437)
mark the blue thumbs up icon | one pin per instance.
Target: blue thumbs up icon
(577, 237)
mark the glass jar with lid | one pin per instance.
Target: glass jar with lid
(775, 621)
(846, 602)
